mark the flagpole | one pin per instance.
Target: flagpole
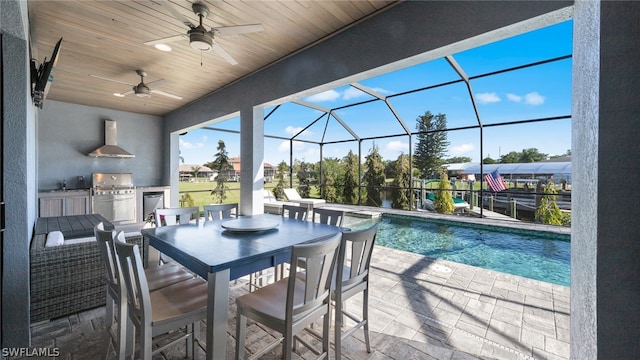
(481, 200)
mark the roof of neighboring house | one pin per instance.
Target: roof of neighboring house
(189, 168)
(235, 162)
(522, 168)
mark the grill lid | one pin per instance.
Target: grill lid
(111, 148)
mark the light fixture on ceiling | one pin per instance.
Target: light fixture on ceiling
(200, 39)
(162, 47)
(141, 90)
(118, 94)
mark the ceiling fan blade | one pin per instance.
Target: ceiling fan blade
(107, 79)
(126, 93)
(166, 39)
(238, 29)
(166, 94)
(155, 82)
(176, 13)
(222, 52)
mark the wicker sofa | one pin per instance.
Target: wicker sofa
(67, 279)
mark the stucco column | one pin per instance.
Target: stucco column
(18, 174)
(251, 160)
(172, 153)
(605, 246)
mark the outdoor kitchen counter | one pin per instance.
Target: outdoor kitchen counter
(71, 226)
(58, 202)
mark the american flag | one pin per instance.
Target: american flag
(495, 181)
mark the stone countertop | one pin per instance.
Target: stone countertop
(62, 191)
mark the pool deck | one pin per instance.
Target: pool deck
(420, 308)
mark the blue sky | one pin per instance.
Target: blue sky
(531, 93)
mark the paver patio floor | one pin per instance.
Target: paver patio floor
(420, 308)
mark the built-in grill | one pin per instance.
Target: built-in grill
(114, 197)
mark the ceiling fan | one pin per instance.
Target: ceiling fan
(199, 37)
(142, 89)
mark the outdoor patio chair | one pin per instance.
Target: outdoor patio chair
(293, 196)
(271, 204)
(295, 212)
(220, 211)
(352, 277)
(328, 216)
(290, 305)
(257, 279)
(174, 216)
(157, 276)
(178, 306)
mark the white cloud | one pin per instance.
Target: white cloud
(329, 95)
(461, 149)
(514, 97)
(348, 94)
(352, 93)
(381, 90)
(486, 98)
(284, 147)
(397, 146)
(292, 130)
(189, 145)
(533, 98)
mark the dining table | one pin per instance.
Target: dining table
(223, 250)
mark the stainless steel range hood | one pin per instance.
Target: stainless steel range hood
(111, 148)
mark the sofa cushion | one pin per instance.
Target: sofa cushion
(54, 238)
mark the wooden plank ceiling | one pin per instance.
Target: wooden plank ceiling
(105, 39)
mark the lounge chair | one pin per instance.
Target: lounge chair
(293, 196)
(271, 205)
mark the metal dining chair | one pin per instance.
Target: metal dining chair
(219, 211)
(181, 305)
(295, 212)
(328, 216)
(257, 279)
(173, 216)
(176, 216)
(290, 305)
(158, 277)
(352, 277)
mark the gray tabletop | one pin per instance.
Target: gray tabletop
(208, 247)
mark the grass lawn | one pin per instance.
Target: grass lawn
(200, 192)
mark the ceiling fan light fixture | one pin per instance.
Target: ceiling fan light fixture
(141, 91)
(162, 47)
(200, 40)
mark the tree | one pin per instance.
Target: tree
(512, 157)
(567, 153)
(330, 172)
(401, 193)
(432, 143)
(304, 179)
(278, 192)
(548, 212)
(389, 168)
(532, 155)
(196, 170)
(488, 160)
(525, 156)
(457, 160)
(221, 165)
(443, 203)
(374, 177)
(351, 179)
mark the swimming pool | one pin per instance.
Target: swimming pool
(535, 255)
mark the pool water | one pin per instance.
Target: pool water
(535, 255)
